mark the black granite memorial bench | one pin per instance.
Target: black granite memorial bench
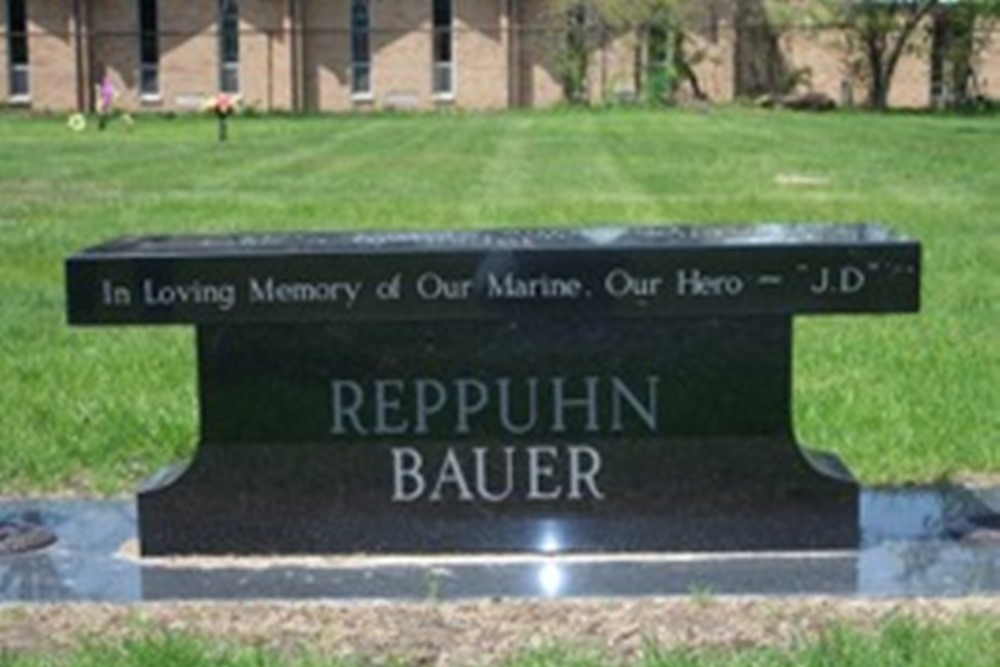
(607, 389)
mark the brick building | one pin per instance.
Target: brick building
(339, 55)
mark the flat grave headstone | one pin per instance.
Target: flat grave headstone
(608, 389)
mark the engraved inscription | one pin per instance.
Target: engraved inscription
(844, 280)
(269, 290)
(468, 289)
(511, 286)
(431, 286)
(537, 473)
(621, 284)
(533, 406)
(462, 406)
(166, 295)
(694, 283)
(115, 295)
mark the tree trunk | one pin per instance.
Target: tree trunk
(878, 96)
(878, 74)
(759, 64)
(638, 65)
(884, 45)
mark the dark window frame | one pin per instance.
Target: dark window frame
(361, 47)
(149, 48)
(18, 51)
(443, 47)
(229, 47)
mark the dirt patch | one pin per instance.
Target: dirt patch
(471, 633)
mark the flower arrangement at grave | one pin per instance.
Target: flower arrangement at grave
(77, 122)
(106, 107)
(223, 106)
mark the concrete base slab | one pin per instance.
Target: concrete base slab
(932, 542)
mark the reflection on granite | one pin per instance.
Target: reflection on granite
(83, 563)
(917, 542)
(502, 239)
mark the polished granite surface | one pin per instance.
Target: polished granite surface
(917, 542)
(436, 241)
(645, 272)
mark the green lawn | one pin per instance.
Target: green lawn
(898, 397)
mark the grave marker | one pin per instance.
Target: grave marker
(611, 389)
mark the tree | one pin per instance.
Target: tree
(962, 30)
(760, 65)
(881, 31)
(660, 54)
(654, 28)
(574, 59)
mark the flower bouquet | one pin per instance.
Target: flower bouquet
(223, 106)
(107, 103)
(77, 122)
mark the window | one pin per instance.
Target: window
(444, 49)
(229, 46)
(361, 49)
(17, 49)
(149, 49)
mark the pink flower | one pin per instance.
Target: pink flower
(107, 93)
(222, 105)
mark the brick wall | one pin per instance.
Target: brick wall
(189, 52)
(911, 85)
(819, 60)
(188, 46)
(114, 49)
(540, 38)
(265, 54)
(714, 66)
(611, 70)
(401, 55)
(826, 57)
(51, 50)
(488, 74)
(401, 52)
(326, 54)
(988, 68)
(481, 54)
